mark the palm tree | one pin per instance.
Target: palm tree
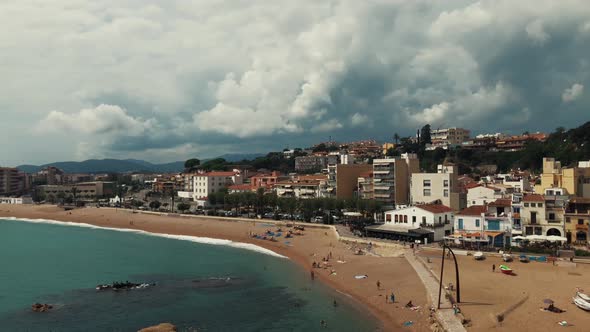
(396, 138)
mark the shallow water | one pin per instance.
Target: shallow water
(198, 286)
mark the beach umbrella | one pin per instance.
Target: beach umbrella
(548, 301)
(554, 238)
(518, 238)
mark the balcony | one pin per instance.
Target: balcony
(581, 227)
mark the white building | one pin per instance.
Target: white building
(16, 200)
(432, 217)
(484, 194)
(298, 189)
(441, 186)
(203, 184)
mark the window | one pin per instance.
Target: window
(580, 221)
(533, 204)
(552, 216)
(426, 192)
(426, 183)
(460, 226)
(445, 183)
(526, 204)
(424, 220)
(396, 218)
(446, 193)
(568, 220)
(540, 204)
(413, 219)
(388, 217)
(476, 222)
(439, 219)
(405, 219)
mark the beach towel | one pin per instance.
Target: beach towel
(408, 323)
(361, 277)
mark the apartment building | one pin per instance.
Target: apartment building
(482, 194)
(204, 184)
(314, 163)
(448, 138)
(347, 179)
(365, 185)
(391, 179)
(11, 182)
(83, 191)
(575, 180)
(577, 218)
(441, 186)
(532, 214)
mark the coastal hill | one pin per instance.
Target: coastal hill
(122, 165)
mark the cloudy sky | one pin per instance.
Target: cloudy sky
(165, 80)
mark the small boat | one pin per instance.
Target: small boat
(479, 256)
(523, 259)
(583, 296)
(580, 303)
(507, 257)
(505, 269)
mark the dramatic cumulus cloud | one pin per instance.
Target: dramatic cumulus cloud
(169, 79)
(573, 93)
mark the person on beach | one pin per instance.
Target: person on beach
(378, 284)
(312, 275)
(410, 304)
(392, 297)
(493, 267)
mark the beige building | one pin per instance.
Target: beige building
(441, 186)
(347, 179)
(391, 179)
(83, 191)
(448, 137)
(575, 180)
(533, 215)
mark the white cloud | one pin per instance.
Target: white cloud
(103, 120)
(572, 93)
(358, 119)
(326, 126)
(212, 71)
(536, 32)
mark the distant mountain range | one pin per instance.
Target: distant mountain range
(126, 165)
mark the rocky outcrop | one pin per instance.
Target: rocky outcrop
(164, 327)
(38, 307)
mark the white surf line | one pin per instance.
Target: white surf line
(196, 239)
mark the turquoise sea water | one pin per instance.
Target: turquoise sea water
(61, 265)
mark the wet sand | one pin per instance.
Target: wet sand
(394, 273)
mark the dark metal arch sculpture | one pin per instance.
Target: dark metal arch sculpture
(442, 268)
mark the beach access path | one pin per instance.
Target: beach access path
(445, 316)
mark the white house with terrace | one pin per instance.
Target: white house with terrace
(429, 221)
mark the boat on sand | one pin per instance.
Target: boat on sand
(505, 269)
(507, 257)
(581, 303)
(479, 256)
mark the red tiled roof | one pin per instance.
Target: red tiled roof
(503, 202)
(218, 173)
(472, 185)
(240, 187)
(533, 198)
(435, 208)
(474, 210)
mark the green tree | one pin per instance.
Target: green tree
(60, 196)
(192, 163)
(154, 205)
(51, 198)
(183, 207)
(425, 137)
(396, 137)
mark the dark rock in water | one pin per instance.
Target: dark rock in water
(164, 327)
(38, 307)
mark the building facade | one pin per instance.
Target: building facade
(448, 137)
(11, 182)
(347, 179)
(577, 218)
(391, 179)
(441, 186)
(575, 180)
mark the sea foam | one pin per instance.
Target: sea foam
(196, 239)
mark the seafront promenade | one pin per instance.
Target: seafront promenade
(445, 316)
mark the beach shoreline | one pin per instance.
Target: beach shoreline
(303, 250)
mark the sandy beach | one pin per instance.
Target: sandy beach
(386, 266)
(486, 294)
